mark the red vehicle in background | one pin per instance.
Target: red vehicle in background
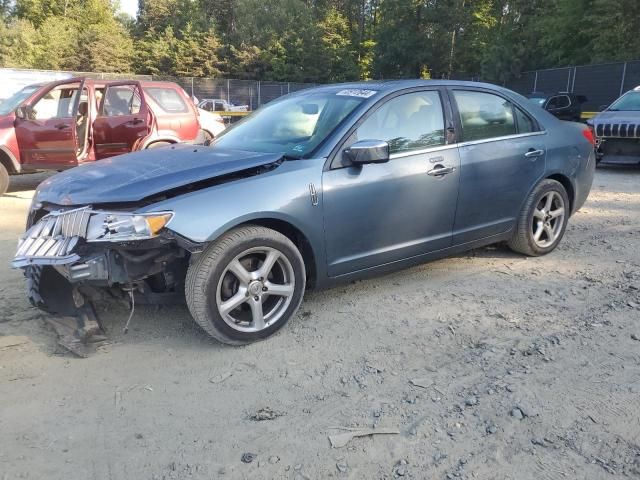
(67, 123)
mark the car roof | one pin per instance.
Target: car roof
(391, 85)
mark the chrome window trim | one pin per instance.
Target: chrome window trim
(422, 151)
(498, 139)
(439, 148)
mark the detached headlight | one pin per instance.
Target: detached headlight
(123, 227)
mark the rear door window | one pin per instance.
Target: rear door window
(168, 99)
(524, 123)
(559, 101)
(484, 115)
(121, 100)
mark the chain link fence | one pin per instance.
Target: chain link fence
(601, 84)
(239, 92)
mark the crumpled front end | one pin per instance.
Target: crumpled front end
(73, 257)
(617, 137)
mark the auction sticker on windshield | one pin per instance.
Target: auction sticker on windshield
(357, 92)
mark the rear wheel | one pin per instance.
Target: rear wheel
(4, 179)
(246, 285)
(543, 220)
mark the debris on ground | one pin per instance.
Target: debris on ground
(265, 413)
(248, 457)
(342, 439)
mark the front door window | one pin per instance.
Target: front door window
(57, 103)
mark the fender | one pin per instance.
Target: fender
(16, 167)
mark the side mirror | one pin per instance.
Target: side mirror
(21, 112)
(25, 112)
(368, 151)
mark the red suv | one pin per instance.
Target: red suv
(67, 123)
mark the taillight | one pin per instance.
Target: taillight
(588, 134)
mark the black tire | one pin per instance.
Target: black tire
(207, 138)
(523, 240)
(204, 277)
(158, 145)
(4, 179)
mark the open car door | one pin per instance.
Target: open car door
(45, 128)
(123, 119)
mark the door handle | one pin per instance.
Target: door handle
(441, 171)
(135, 121)
(534, 153)
(61, 126)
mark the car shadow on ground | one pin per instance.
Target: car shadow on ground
(26, 183)
(619, 168)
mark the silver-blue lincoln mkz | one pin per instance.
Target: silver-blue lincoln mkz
(321, 186)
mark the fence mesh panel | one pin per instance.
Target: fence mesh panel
(239, 92)
(601, 84)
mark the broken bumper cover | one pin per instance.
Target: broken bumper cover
(57, 237)
(52, 240)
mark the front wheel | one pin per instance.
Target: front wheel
(4, 179)
(246, 285)
(543, 220)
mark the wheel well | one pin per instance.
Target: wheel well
(298, 239)
(566, 183)
(160, 140)
(6, 161)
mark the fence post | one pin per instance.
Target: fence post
(288, 88)
(535, 82)
(228, 93)
(568, 78)
(624, 77)
(573, 83)
(259, 100)
(192, 91)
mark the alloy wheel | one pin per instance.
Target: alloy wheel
(548, 219)
(255, 289)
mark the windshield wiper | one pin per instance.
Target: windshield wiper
(291, 157)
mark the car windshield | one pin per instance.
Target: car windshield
(14, 101)
(629, 102)
(295, 125)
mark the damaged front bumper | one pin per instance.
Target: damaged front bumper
(618, 142)
(67, 272)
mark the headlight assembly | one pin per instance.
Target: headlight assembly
(123, 227)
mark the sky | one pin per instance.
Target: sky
(129, 7)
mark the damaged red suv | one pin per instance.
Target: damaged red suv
(63, 124)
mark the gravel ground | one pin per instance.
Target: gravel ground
(488, 365)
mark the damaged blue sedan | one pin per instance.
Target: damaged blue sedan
(322, 186)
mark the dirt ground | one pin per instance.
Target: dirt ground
(488, 365)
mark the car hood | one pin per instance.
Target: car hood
(616, 117)
(135, 176)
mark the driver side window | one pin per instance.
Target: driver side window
(56, 103)
(413, 121)
(409, 122)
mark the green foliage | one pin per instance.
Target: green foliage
(318, 40)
